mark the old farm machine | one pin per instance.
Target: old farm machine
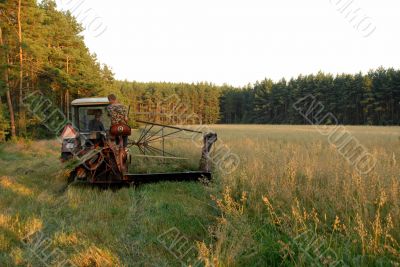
(97, 159)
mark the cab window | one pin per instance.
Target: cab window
(88, 114)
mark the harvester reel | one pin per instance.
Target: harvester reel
(151, 141)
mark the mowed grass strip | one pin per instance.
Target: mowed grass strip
(91, 226)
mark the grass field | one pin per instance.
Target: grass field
(294, 200)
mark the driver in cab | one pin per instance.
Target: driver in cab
(96, 125)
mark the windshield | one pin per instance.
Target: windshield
(93, 119)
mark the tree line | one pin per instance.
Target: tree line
(42, 49)
(171, 103)
(361, 99)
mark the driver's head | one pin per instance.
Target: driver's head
(97, 115)
(112, 98)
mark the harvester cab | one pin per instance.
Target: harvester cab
(89, 124)
(96, 158)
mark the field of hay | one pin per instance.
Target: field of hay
(293, 200)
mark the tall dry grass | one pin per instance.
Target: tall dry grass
(296, 182)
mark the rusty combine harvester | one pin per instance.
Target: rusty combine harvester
(101, 161)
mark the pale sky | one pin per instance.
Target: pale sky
(238, 42)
